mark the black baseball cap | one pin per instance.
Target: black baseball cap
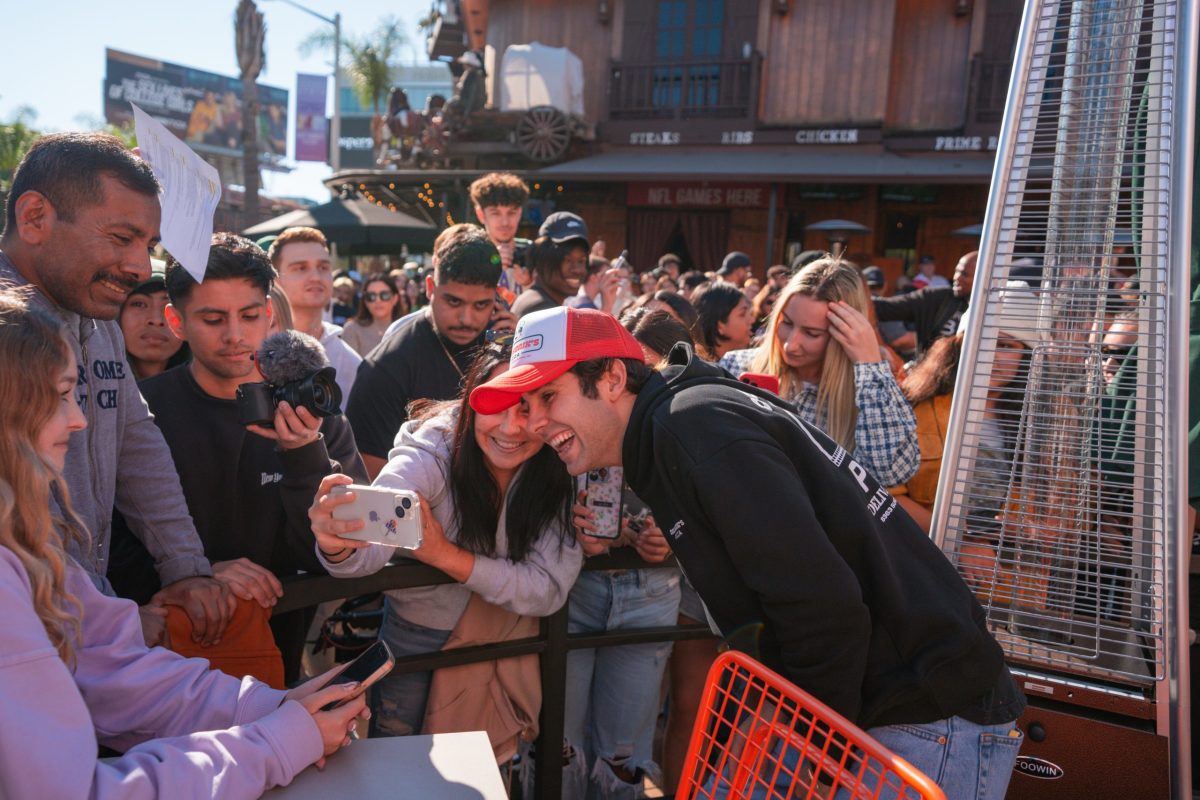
(735, 260)
(874, 277)
(563, 226)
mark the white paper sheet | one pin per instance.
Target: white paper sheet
(191, 191)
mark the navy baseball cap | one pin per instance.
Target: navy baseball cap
(563, 226)
(735, 260)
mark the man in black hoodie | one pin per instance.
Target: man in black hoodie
(784, 535)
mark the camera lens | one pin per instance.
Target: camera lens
(399, 512)
(406, 502)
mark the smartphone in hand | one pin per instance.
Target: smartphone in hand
(371, 664)
(603, 487)
(391, 516)
(762, 380)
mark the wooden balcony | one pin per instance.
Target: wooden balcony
(988, 90)
(685, 90)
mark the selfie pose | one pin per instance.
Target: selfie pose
(75, 672)
(494, 504)
(815, 571)
(822, 349)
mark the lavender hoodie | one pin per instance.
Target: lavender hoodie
(149, 702)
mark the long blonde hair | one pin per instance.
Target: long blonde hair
(33, 352)
(827, 279)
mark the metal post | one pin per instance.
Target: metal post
(335, 125)
(548, 766)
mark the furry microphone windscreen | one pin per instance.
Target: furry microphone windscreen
(290, 356)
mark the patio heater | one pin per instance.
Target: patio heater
(1063, 489)
(837, 231)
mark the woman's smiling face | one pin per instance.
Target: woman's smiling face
(505, 438)
(803, 333)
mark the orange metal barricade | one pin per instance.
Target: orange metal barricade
(760, 737)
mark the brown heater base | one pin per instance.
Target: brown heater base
(1067, 756)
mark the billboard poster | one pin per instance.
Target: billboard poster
(312, 126)
(202, 108)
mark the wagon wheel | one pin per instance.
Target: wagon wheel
(543, 133)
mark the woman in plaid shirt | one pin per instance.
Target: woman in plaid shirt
(823, 349)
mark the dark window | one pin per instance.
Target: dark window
(688, 30)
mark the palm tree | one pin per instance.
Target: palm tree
(249, 34)
(372, 57)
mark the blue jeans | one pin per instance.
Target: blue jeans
(612, 698)
(964, 759)
(398, 701)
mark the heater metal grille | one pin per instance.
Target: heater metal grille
(1056, 492)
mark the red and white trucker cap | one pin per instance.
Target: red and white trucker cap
(546, 345)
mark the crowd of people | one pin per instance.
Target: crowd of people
(779, 428)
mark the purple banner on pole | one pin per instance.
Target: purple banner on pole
(312, 126)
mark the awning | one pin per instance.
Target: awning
(356, 225)
(822, 165)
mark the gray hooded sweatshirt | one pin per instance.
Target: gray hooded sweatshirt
(537, 586)
(121, 459)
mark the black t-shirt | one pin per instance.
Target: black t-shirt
(533, 299)
(414, 363)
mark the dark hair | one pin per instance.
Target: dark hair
(714, 303)
(589, 373)
(669, 258)
(692, 279)
(230, 257)
(656, 329)
(499, 189)
(68, 167)
(364, 313)
(541, 493)
(546, 258)
(680, 305)
(934, 374)
(467, 256)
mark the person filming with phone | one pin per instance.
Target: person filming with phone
(494, 507)
(76, 672)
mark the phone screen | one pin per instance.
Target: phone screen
(364, 666)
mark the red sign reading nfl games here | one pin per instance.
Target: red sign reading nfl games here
(699, 194)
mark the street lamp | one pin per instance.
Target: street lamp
(335, 126)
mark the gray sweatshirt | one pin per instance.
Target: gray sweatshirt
(537, 586)
(121, 459)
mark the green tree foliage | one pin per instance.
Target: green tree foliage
(17, 134)
(371, 58)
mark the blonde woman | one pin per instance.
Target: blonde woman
(822, 348)
(75, 670)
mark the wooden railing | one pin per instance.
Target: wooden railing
(726, 89)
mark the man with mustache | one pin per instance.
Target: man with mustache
(81, 218)
(426, 358)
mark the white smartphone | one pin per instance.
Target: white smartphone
(603, 487)
(368, 667)
(392, 516)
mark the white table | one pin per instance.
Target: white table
(445, 766)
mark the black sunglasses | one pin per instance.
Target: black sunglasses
(371, 297)
(1115, 351)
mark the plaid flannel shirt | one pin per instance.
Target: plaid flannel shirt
(885, 436)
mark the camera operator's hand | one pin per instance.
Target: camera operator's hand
(610, 287)
(325, 528)
(506, 249)
(294, 427)
(249, 581)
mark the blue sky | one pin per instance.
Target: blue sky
(52, 57)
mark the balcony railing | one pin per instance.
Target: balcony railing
(684, 89)
(989, 88)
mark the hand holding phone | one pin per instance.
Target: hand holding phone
(366, 669)
(604, 488)
(390, 516)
